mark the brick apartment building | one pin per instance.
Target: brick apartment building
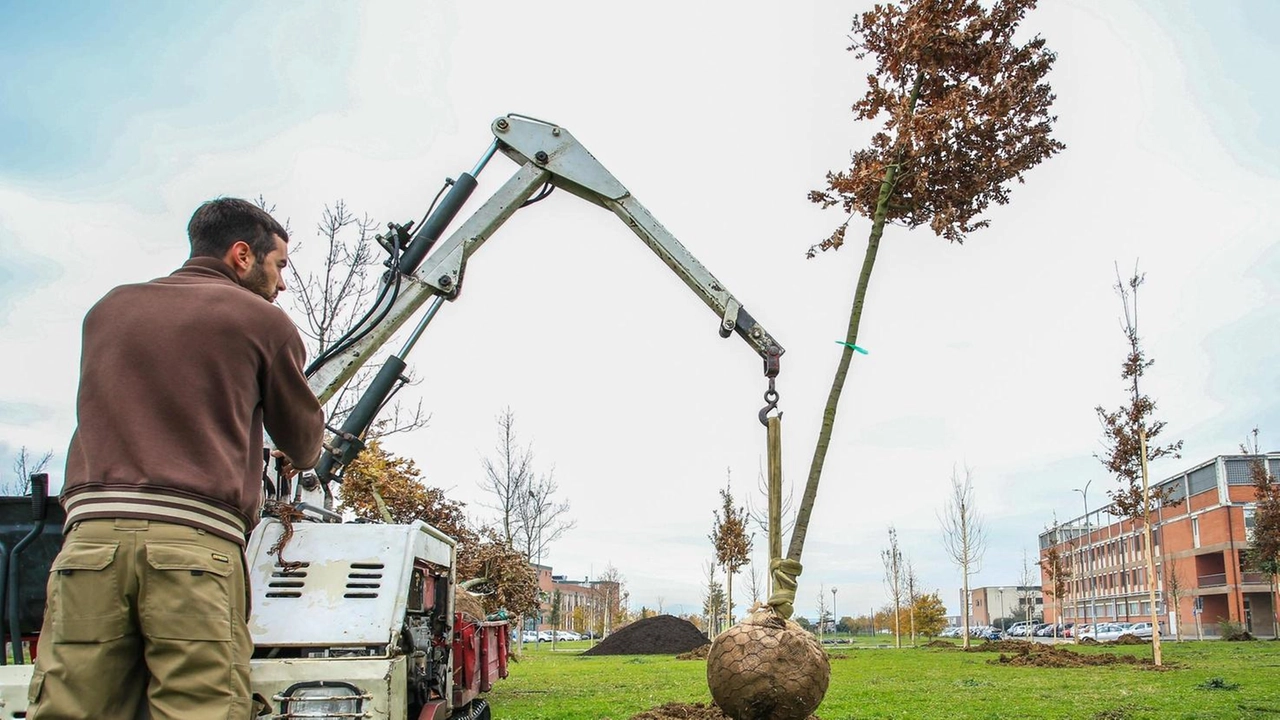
(1202, 542)
(1009, 603)
(583, 601)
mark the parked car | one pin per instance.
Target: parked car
(1143, 630)
(545, 636)
(1022, 628)
(529, 636)
(1103, 631)
(565, 635)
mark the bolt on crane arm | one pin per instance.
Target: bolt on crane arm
(545, 153)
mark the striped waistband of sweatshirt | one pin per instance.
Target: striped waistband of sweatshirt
(154, 505)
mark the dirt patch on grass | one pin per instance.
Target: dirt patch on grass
(1004, 646)
(658, 635)
(682, 711)
(939, 644)
(1128, 639)
(1056, 656)
(698, 653)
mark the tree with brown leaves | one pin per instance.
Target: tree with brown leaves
(1127, 434)
(1264, 548)
(731, 541)
(965, 111)
(382, 487)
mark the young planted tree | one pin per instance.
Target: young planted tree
(964, 537)
(1264, 548)
(1026, 591)
(731, 541)
(1057, 570)
(1127, 435)
(713, 599)
(965, 111)
(824, 611)
(910, 583)
(894, 583)
(1174, 591)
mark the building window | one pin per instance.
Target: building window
(1195, 532)
(1250, 519)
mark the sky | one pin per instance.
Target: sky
(120, 118)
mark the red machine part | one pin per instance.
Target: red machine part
(479, 657)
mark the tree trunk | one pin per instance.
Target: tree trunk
(1151, 549)
(846, 356)
(728, 610)
(964, 603)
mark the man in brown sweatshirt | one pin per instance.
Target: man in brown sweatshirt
(178, 378)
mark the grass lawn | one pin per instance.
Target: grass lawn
(868, 682)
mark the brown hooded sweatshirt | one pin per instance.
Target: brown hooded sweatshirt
(178, 377)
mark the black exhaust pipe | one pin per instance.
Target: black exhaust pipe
(39, 510)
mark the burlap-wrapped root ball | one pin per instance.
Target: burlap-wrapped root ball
(767, 668)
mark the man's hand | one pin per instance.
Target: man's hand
(286, 465)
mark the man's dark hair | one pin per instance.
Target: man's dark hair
(218, 224)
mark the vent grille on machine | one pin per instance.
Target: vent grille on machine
(364, 580)
(287, 581)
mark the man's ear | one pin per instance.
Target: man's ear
(239, 256)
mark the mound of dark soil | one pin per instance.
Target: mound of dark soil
(681, 711)
(1004, 646)
(940, 644)
(1128, 639)
(658, 635)
(1057, 656)
(698, 653)
(1087, 641)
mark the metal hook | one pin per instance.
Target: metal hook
(771, 398)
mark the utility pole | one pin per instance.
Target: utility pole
(1088, 539)
(834, 621)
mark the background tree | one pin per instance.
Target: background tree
(506, 475)
(964, 537)
(332, 301)
(824, 611)
(555, 616)
(1127, 433)
(754, 588)
(731, 542)
(930, 614)
(1026, 589)
(542, 518)
(614, 585)
(1264, 548)
(893, 582)
(1057, 569)
(25, 465)
(910, 583)
(965, 113)
(1174, 591)
(713, 599)
(530, 516)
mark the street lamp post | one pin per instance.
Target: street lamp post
(834, 623)
(1088, 538)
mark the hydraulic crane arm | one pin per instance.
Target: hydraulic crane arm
(545, 153)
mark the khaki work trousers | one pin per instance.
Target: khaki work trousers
(143, 612)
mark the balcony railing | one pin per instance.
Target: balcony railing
(1215, 580)
(1254, 578)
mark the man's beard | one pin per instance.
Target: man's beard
(257, 281)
